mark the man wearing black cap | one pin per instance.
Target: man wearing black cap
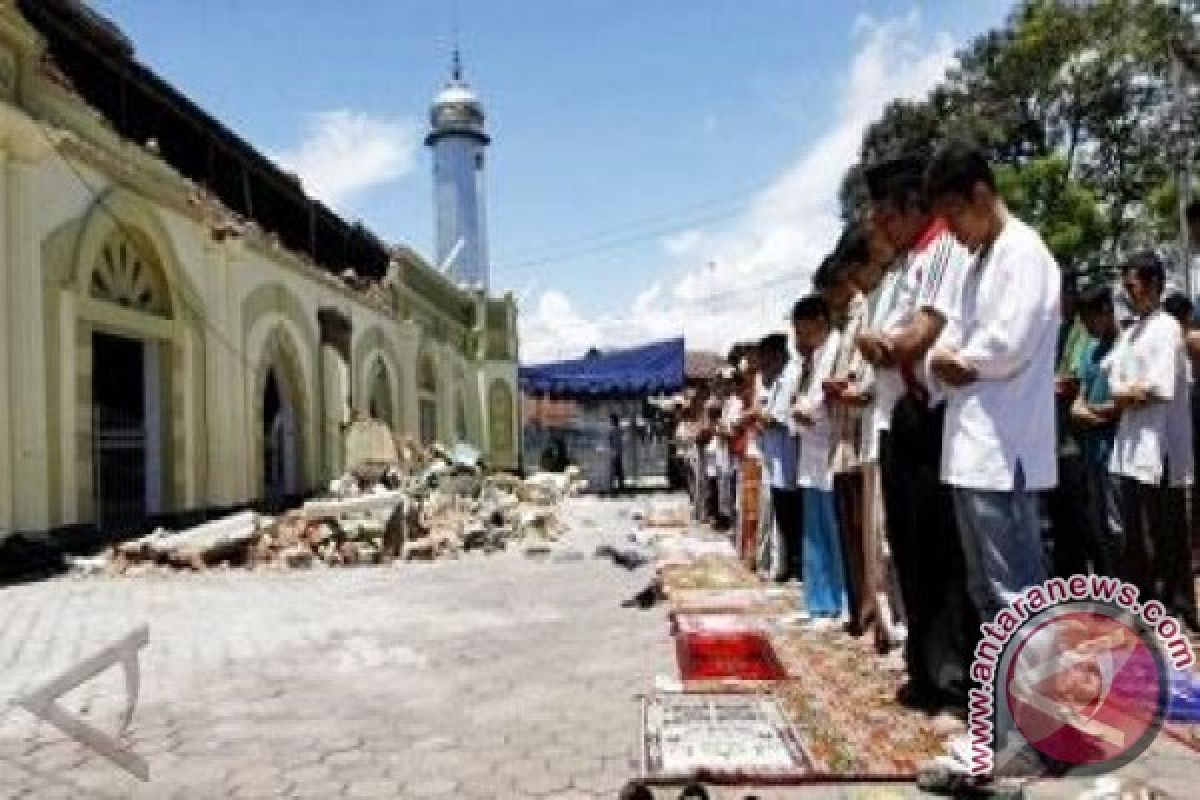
(924, 542)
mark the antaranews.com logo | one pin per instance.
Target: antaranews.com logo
(1076, 669)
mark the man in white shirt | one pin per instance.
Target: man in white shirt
(824, 573)
(869, 261)
(1173, 562)
(727, 459)
(999, 445)
(780, 449)
(1149, 373)
(849, 307)
(925, 546)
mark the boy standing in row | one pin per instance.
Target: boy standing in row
(824, 577)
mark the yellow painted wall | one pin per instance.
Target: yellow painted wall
(66, 183)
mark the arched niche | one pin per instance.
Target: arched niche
(281, 419)
(129, 349)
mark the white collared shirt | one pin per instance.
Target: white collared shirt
(731, 412)
(1007, 327)
(878, 415)
(1151, 352)
(812, 469)
(779, 443)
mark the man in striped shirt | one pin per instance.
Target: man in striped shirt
(926, 551)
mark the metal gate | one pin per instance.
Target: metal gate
(119, 468)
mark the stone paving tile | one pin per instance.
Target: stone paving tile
(373, 788)
(478, 678)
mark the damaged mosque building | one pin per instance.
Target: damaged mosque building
(184, 329)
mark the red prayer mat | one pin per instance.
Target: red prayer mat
(741, 655)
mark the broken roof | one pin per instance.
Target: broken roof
(98, 61)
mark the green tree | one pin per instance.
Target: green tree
(1071, 100)
(1063, 210)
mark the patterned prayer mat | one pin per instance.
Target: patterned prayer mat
(750, 601)
(708, 572)
(843, 708)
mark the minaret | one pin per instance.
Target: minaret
(458, 140)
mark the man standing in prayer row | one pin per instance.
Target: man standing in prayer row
(998, 447)
(925, 548)
(1069, 538)
(1151, 380)
(848, 307)
(824, 575)
(879, 278)
(728, 451)
(1147, 369)
(1184, 311)
(750, 483)
(1095, 415)
(780, 543)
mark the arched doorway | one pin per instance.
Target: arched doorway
(128, 306)
(379, 395)
(280, 452)
(280, 418)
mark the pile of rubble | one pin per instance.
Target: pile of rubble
(399, 502)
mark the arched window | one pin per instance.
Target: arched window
(379, 398)
(124, 275)
(426, 374)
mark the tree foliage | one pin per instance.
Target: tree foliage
(1073, 101)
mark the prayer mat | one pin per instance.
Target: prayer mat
(719, 738)
(728, 655)
(758, 601)
(668, 515)
(708, 572)
(842, 706)
(688, 623)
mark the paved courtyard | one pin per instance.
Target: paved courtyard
(489, 677)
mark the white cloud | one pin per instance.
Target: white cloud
(344, 153)
(681, 244)
(757, 266)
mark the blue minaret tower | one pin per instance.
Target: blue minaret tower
(458, 141)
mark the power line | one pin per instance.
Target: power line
(726, 201)
(613, 243)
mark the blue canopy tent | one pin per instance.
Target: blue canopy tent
(600, 384)
(652, 369)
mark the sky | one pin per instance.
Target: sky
(657, 167)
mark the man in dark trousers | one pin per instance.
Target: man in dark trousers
(926, 551)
